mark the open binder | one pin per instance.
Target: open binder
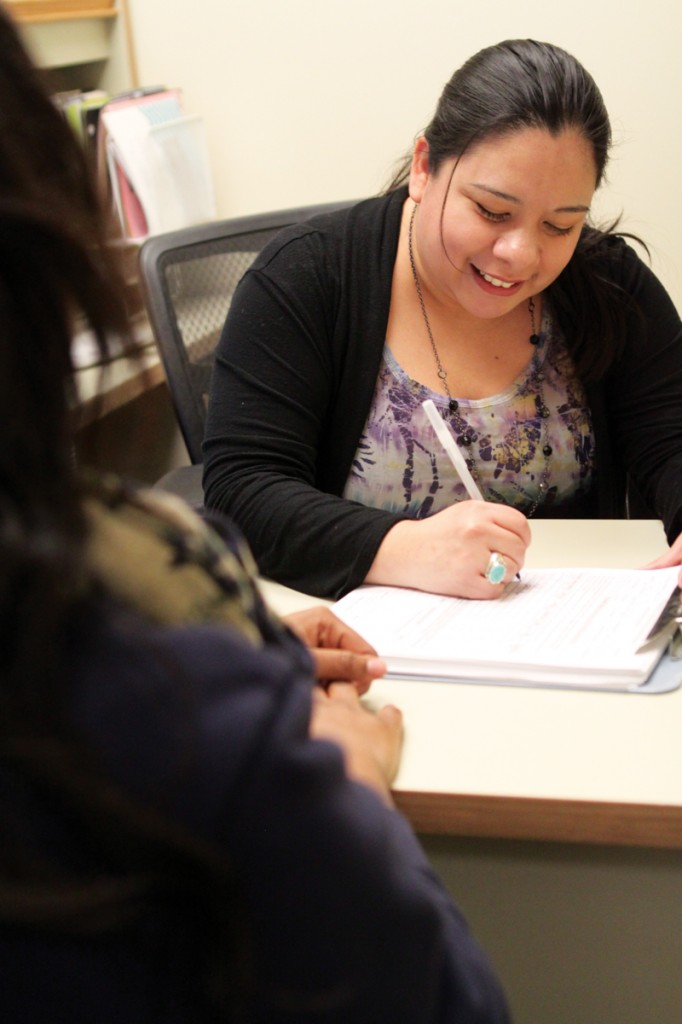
(573, 628)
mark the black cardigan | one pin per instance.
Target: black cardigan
(295, 373)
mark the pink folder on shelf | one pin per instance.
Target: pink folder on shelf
(129, 207)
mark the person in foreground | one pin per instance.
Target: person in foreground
(550, 349)
(190, 829)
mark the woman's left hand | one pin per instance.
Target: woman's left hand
(340, 654)
(673, 556)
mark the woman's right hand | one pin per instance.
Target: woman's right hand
(448, 553)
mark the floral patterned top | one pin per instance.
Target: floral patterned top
(517, 456)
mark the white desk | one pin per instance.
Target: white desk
(585, 928)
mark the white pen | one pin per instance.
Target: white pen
(455, 455)
(450, 447)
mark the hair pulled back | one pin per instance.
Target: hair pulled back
(514, 85)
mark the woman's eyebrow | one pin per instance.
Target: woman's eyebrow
(576, 208)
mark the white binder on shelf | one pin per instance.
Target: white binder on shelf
(157, 161)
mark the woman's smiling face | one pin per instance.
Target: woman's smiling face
(499, 224)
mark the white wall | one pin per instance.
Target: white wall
(314, 100)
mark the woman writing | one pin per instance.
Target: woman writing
(550, 349)
(190, 829)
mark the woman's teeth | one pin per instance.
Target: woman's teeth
(495, 281)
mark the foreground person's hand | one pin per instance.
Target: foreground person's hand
(340, 654)
(371, 742)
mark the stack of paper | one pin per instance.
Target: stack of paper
(565, 627)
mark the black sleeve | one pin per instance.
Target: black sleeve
(644, 393)
(288, 404)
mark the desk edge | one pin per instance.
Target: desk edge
(566, 821)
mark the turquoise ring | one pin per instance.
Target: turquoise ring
(497, 569)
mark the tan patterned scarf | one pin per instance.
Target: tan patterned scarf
(150, 550)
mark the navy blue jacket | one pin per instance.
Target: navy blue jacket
(202, 729)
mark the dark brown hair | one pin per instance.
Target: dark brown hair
(516, 84)
(55, 267)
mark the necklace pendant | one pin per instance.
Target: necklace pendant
(453, 405)
(534, 339)
(547, 451)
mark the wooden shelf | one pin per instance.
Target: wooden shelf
(55, 44)
(80, 44)
(37, 11)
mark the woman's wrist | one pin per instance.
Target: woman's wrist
(394, 556)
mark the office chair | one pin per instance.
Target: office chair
(188, 278)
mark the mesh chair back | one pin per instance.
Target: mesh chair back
(188, 278)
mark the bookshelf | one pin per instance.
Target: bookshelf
(124, 416)
(80, 44)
